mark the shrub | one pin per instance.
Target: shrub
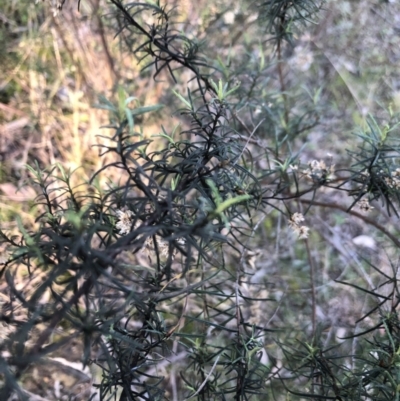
(157, 273)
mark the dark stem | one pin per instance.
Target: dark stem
(312, 282)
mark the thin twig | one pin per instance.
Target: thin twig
(313, 295)
(282, 83)
(245, 146)
(205, 381)
(279, 65)
(356, 214)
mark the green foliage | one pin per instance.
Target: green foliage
(282, 15)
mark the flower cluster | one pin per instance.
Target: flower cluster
(364, 205)
(163, 246)
(124, 226)
(319, 171)
(394, 180)
(294, 223)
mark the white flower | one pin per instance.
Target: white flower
(318, 170)
(297, 218)
(303, 232)
(125, 221)
(364, 205)
(294, 224)
(315, 165)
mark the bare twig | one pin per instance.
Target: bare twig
(312, 282)
(205, 381)
(372, 222)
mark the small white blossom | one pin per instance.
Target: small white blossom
(364, 205)
(303, 232)
(297, 218)
(125, 221)
(394, 180)
(294, 224)
(181, 241)
(162, 246)
(365, 174)
(315, 165)
(318, 170)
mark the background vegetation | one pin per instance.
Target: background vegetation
(298, 116)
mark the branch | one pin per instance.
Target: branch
(356, 214)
